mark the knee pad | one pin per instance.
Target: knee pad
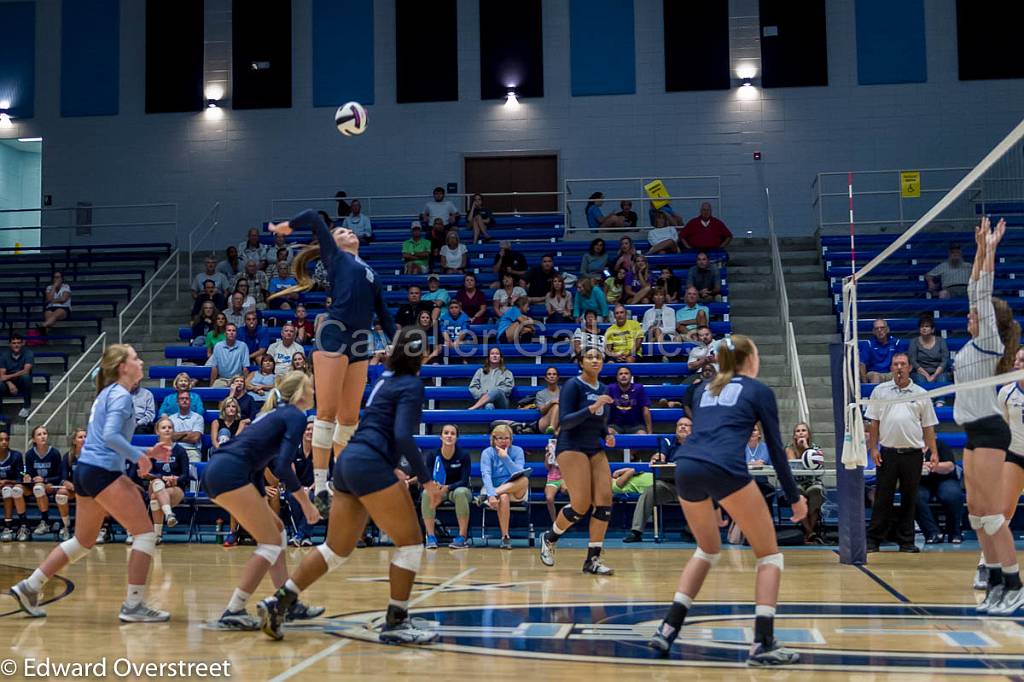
(39, 490)
(343, 433)
(408, 557)
(73, 549)
(61, 499)
(571, 515)
(323, 431)
(154, 504)
(268, 552)
(992, 523)
(17, 492)
(711, 559)
(772, 560)
(145, 543)
(7, 492)
(602, 514)
(284, 539)
(330, 558)
(157, 485)
(975, 521)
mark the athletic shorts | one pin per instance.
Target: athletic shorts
(989, 432)
(557, 483)
(334, 338)
(1014, 458)
(563, 444)
(91, 480)
(627, 430)
(697, 480)
(225, 473)
(361, 471)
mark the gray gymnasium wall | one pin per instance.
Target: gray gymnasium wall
(251, 157)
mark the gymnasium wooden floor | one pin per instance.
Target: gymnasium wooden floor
(907, 616)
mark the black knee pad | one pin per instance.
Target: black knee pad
(602, 514)
(571, 515)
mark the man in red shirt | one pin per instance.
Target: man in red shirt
(704, 232)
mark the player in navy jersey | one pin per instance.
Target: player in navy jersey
(711, 467)
(102, 488)
(344, 342)
(66, 492)
(367, 482)
(229, 481)
(12, 467)
(166, 482)
(583, 435)
(43, 473)
(302, 461)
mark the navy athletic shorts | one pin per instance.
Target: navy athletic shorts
(697, 480)
(91, 480)
(334, 338)
(988, 432)
(361, 471)
(225, 473)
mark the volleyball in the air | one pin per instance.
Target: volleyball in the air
(813, 458)
(350, 119)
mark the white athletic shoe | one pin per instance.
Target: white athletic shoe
(406, 633)
(7, 535)
(65, 534)
(141, 613)
(239, 620)
(596, 567)
(991, 599)
(43, 528)
(547, 550)
(28, 599)
(761, 656)
(171, 520)
(1011, 601)
(981, 577)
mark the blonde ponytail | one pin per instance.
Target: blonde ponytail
(301, 270)
(732, 352)
(112, 358)
(287, 390)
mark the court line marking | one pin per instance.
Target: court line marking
(881, 583)
(324, 653)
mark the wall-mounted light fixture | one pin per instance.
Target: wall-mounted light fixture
(511, 100)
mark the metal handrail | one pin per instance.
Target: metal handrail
(194, 242)
(122, 328)
(68, 391)
(44, 211)
(367, 201)
(643, 219)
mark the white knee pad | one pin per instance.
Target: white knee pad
(39, 490)
(157, 485)
(61, 499)
(154, 504)
(712, 559)
(284, 539)
(772, 560)
(974, 520)
(343, 433)
(7, 492)
(323, 432)
(73, 549)
(269, 552)
(17, 492)
(330, 558)
(408, 557)
(145, 543)
(992, 523)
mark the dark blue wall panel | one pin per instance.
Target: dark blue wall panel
(602, 48)
(90, 57)
(18, 57)
(890, 42)
(342, 52)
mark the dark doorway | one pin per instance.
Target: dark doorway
(517, 173)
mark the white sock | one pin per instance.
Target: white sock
(1011, 569)
(158, 528)
(135, 595)
(556, 530)
(981, 559)
(238, 600)
(764, 610)
(166, 509)
(36, 580)
(319, 481)
(66, 520)
(291, 586)
(595, 544)
(683, 599)
(398, 603)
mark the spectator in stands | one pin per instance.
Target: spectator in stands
(558, 302)
(299, 364)
(280, 242)
(451, 466)
(659, 322)
(595, 260)
(473, 301)
(454, 254)
(662, 236)
(252, 250)
(707, 374)
(454, 325)
(58, 302)
(282, 280)
(615, 286)
(705, 232)
(304, 331)
(209, 294)
(691, 315)
(230, 266)
(757, 457)
(416, 251)
(705, 279)
(671, 217)
(283, 349)
(588, 335)
(626, 256)
(663, 491)
(380, 343)
(438, 235)
(505, 477)
(409, 312)
(230, 357)
(258, 282)
(188, 427)
(228, 424)
(220, 282)
(903, 430)
(344, 210)
(436, 296)
(235, 312)
(479, 218)
(596, 220)
(810, 487)
(705, 353)
(145, 409)
(631, 410)
(545, 402)
(492, 384)
(928, 353)
(629, 217)
(538, 279)
(261, 382)
(255, 336)
(16, 372)
(877, 353)
(203, 322)
(589, 298)
(506, 295)
(284, 256)
(248, 300)
(247, 407)
(670, 283)
(508, 262)
(940, 481)
(440, 208)
(359, 223)
(623, 338)
(435, 340)
(949, 278)
(638, 282)
(516, 325)
(182, 382)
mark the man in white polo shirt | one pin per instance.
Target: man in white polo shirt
(902, 430)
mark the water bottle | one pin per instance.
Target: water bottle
(219, 527)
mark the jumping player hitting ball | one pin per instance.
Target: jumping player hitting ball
(344, 343)
(101, 488)
(711, 466)
(582, 438)
(368, 481)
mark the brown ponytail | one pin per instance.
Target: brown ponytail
(732, 352)
(301, 270)
(1009, 332)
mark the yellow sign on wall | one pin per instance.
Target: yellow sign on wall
(656, 191)
(910, 184)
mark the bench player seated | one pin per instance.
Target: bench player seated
(44, 473)
(165, 483)
(12, 465)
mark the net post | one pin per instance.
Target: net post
(849, 482)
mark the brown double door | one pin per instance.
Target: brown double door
(519, 173)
